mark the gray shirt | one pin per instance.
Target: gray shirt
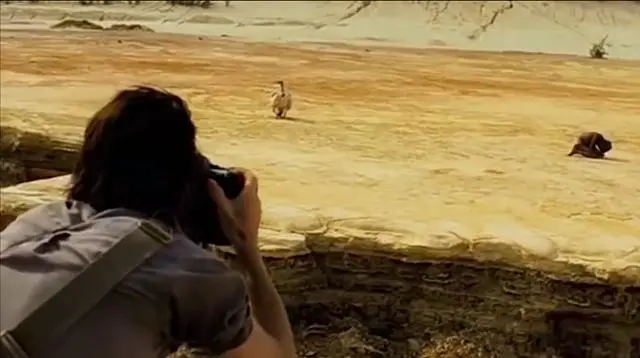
(183, 294)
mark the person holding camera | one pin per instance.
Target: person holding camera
(139, 162)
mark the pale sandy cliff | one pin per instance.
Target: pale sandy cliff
(535, 26)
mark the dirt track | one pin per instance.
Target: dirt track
(420, 135)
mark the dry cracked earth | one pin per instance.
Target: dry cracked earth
(412, 135)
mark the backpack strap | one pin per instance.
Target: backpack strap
(67, 306)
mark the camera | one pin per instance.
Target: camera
(200, 212)
(231, 182)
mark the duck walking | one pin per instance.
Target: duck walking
(281, 101)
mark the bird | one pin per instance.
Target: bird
(281, 101)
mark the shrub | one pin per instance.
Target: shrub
(598, 49)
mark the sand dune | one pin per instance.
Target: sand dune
(532, 26)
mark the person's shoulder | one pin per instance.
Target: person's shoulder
(54, 208)
(210, 301)
(182, 247)
(41, 218)
(183, 257)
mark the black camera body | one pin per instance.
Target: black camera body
(200, 216)
(230, 181)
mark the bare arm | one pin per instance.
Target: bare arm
(241, 222)
(268, 307)
(212, 311)
(258, 344)
(271, 336)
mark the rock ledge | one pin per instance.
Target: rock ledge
(415, 279)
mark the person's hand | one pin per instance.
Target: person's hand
(241, 216)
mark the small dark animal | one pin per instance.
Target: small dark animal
(591, 145)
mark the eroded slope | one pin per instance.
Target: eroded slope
(408, 285)
(532, 26)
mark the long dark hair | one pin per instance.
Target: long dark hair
(139, 153)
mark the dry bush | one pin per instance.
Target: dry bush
(348, 337)
(598, 49)
(205, 4)
(474, 343)
(104, 2)
(462, 346)
(195, 3)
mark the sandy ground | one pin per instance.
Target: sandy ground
(420, 135)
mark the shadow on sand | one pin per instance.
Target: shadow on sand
(616, 160)
(608, 159)
(295, 119)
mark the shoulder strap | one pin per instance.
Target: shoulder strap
(76, 298)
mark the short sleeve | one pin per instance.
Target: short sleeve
(211, 305)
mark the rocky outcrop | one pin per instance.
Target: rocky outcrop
(129, 27)
(34, 149)
(77, 24)
(11, 173)
(33, 154)
(88, 25)
(406, 280)
(14, 172)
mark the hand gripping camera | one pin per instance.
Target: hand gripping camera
(230, 181)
